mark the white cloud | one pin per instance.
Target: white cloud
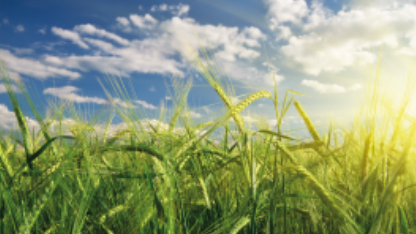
(146, 105)
(141, 8)
(70, 35)
(161, 7)
(152, 89)
(67, 93)
(182, 9)
(329, 88)
(282, 11)
(123, 103)
(177, 10)
(123, 21)
(92, 30)
(243, 70)
(104, 46)
(42, 30)
(233, 43)
(150, 55)
(143, 22)
(20, 28)
(331, 42)
(124, 24)
(5, 21)
(156, 53)
(34, 68)
(284, 32)
(193, 114)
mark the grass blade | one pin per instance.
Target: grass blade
(27, 142)
(403, 220)
(276, 134)
(138, 147)
(43, 148)
(30, 220)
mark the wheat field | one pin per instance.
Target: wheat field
(356, 178)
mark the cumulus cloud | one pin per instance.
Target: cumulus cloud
(123, 21)
(243, 70)
(151, 55)
(282, 11)
(104, 46)
(19, 28)
(143, 22)
(331, 42)
(182, 9)
(70, 35)
(124, 24)
(284, 32)
(92, 30)
(178, 10)
(34, 68)
(157, 53)
(328, 88)
(212, 37)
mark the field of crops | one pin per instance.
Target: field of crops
(356, 178)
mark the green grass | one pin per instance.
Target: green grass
(248, 181)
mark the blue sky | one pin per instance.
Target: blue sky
(322, 48)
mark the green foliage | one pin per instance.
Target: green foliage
(183, 179)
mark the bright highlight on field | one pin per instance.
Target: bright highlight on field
(273, 116)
